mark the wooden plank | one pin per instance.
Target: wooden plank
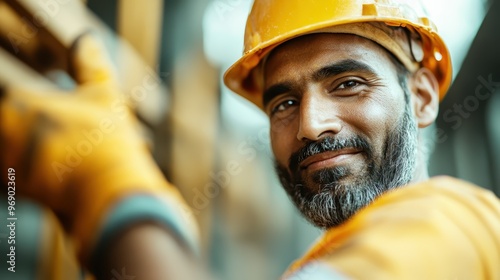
(194, 124)
(14, 72)
(140, 23)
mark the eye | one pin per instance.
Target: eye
(348, 84)
(283, 106)
(347, 87)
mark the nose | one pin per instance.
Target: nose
(318, 117)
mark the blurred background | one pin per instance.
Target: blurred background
(214, 146)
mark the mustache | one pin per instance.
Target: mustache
(327, 144)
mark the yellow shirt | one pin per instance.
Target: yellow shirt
(443, 228)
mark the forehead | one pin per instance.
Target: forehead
(307, 53)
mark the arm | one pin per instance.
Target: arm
(149, 251)
(80, 154)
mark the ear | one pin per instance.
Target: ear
(425, 96)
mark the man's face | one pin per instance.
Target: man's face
(342, 130)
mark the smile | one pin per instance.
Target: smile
(328, 159)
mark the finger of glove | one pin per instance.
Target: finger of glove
(15, 118)
(90, 61)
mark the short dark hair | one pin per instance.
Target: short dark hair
(403, 75)
(429, 133)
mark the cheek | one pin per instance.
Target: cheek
(283, 142)
(376, 118)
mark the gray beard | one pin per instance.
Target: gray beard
(333, 203)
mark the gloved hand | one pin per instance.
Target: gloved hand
(80, 152)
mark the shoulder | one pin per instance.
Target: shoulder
(413, 221)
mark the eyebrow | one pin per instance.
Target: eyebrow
(347, 65)
(274, 91)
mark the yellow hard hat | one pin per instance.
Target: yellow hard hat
(272, 22)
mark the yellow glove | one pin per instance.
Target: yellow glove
(443, 228)
(80, 153)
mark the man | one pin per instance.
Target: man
(344, 119)
(348, 87)
(346, 100)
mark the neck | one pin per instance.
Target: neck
(421, 171)
(421, 174)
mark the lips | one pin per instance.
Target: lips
(328, 158)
